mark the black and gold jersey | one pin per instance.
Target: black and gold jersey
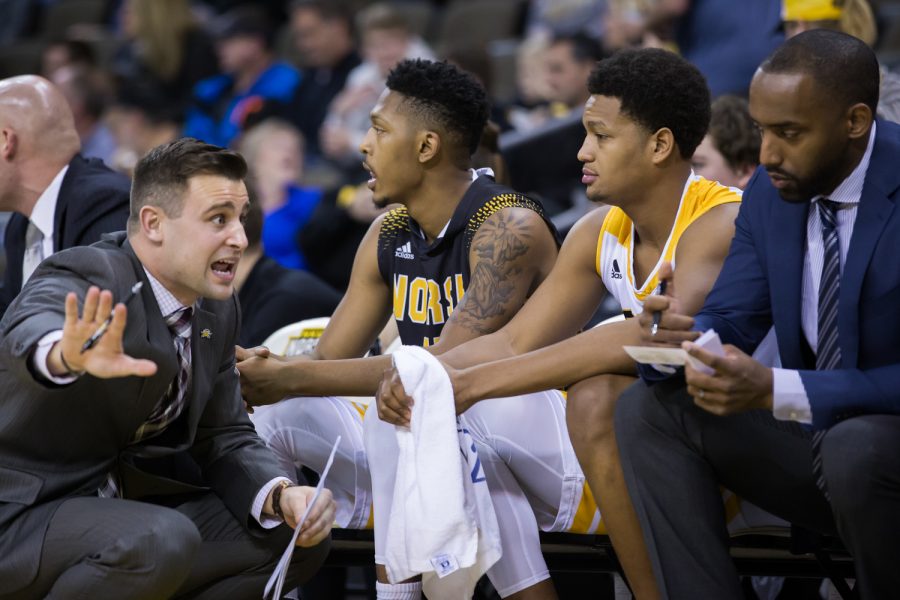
(429, 280)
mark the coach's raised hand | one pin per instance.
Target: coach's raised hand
(106, 359)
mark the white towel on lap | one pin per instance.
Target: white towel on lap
(442, 523)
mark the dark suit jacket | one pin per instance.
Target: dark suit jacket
(760, 284)
(93, 200)
(60, 442)
(274, 296)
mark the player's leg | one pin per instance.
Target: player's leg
(302, 431)
(534, 479)
(589, 414)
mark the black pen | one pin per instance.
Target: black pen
(102, 329)
(657, 315)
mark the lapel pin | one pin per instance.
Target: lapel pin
(206, 334)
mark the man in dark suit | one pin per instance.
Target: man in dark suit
(816, 442)
(60, 198)
(130, 469)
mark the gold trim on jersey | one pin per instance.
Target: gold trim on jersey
(699, 197)
(495, 204)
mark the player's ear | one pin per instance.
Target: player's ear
(428, 145)
(662, 145)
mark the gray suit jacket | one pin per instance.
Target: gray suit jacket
(59, 442)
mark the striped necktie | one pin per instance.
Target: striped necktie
(173, 403)
(828, 354)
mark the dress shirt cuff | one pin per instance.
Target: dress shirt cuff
(39, 359)
(789, 399)
(265, 521)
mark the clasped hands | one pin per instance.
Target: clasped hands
(738, 381)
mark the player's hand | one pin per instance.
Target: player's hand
(739, 383)
(674, 327)
(320, 520)
(393, 403)
(106, 359)
(241, 354)
(262, 381)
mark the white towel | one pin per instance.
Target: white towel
(442, 523)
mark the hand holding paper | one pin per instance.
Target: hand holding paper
(313, 525)
(724, 380)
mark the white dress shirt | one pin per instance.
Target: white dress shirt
(43, 214)
(790, 401)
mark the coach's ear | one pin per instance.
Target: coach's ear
(428, 144)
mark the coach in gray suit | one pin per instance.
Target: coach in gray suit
(98, 498)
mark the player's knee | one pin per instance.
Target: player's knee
(590, 406)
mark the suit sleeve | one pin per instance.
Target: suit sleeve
(738, 306)
(235, 461)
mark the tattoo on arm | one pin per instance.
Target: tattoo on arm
(499, 244)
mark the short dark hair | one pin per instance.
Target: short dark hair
(162, 176)
(733, 132)
(327, 9)
(585, 48)
(444, 95)
(657, 89)
(839, 63)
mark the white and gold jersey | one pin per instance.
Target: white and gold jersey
(615, 244)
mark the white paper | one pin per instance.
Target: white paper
(276, 580)
(651, 355)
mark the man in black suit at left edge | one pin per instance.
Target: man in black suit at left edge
(60, 198)
(91, 502)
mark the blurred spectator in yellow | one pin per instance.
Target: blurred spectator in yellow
(855, 18)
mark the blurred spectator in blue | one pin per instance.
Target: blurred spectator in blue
(88, 92)
(165, 46)
(386, 40)
(855, 18)
(323, 34)
(729, 152)
(271, 295)
(273, 150)
(726, 40)
(251, 76)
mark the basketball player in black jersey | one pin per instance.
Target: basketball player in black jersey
(456, 261)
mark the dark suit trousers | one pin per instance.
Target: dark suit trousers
(675, 456)
(98, 548)
(861, 465)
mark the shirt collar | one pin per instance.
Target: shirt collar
(850, 190)
(44, 211)
(166, 300)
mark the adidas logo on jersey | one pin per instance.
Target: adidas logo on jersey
(616, 273)
(405, 251)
